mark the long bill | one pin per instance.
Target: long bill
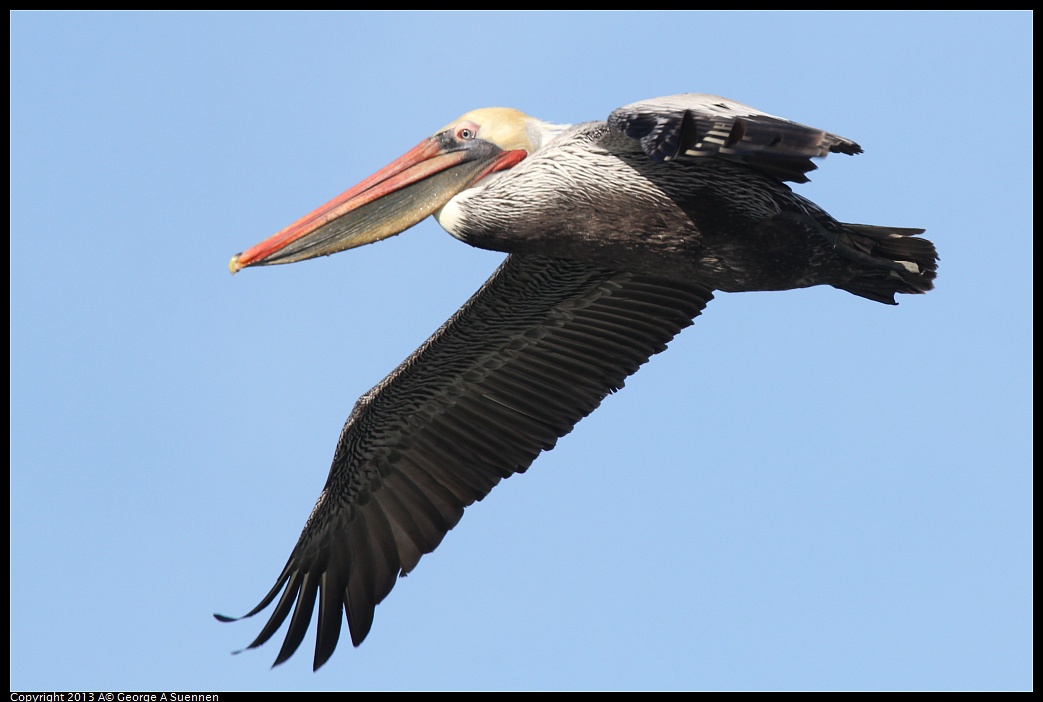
(387, 203)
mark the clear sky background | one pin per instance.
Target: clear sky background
(808, 490)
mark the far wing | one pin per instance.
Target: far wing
(698, 125)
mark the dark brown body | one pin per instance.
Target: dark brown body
(598, 198)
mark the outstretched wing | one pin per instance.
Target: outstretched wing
(534, 351)
(698, 125)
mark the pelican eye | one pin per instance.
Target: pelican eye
(467, 131)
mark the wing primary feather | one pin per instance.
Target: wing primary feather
(360, 596)
(331, 599)
(282, 609)
(386, 565)
(302, 613)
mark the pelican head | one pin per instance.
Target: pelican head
(457, 157)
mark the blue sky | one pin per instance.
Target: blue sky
(806, 491)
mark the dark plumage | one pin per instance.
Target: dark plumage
(618, 232)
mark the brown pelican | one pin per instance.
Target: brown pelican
(617, 232)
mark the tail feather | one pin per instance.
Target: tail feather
(905, 262)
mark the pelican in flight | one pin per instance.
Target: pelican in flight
(618, 232)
